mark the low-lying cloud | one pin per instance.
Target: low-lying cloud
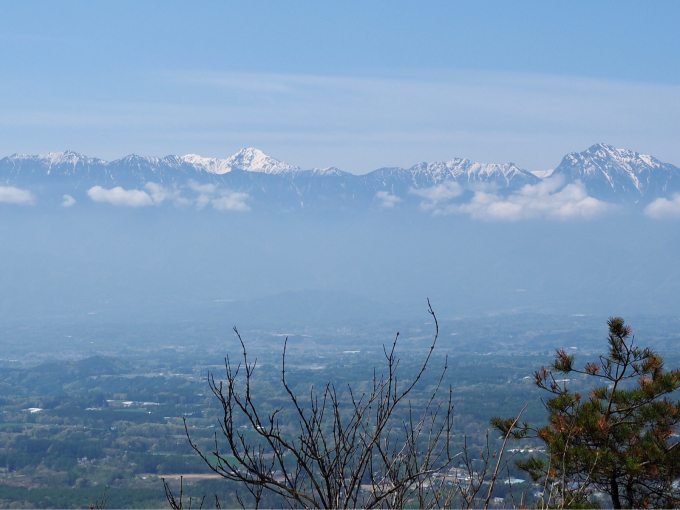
(205, 193)
(207, 189)
(120, 197)
(160, 194)
(68, 201)
(231, 201)
(12, 195)
(220, 199)
(662, 208)
(156, 194)
(387, 200)
(438, 194)
(549, 199)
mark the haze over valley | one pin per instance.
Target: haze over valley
(250, 236)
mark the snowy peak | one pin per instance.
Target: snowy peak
(611, 160)
(210, 165)
(484, 171)
(331, 170)
(248, 160)
(51, 159)
(66, 164)
(466, 171)
(137, 161)
(619, 171)
(254, 160)
(542, 174)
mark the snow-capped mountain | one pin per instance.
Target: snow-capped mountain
(462, 171)
(602, 171)
(249, 160)
(262, 177)
(620, 174)
(254, 160)
(76, 165)
(542, 174)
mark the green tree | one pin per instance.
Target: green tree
(620, 439)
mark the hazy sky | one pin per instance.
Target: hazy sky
(357, 85)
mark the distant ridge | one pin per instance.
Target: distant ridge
(614, 173)
(602, 171)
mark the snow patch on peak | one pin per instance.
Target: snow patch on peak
(609, 169)
(133, 160)
(52, 157)
(210, 165)
(542, 174)
(463, 169)
(331, 170)
(249, 160)
(254, 160)
(56, 158)
(601, 157)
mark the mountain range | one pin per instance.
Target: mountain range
(252, 180)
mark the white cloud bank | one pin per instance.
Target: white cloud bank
(220, 199)
(231, 201)
(549, 199)
(120, 197)
(12, 195)
(159, 194)
(208, 189)
(205, 193)
(387, 200)
(438, 194)
(155, 194)
(662, 208)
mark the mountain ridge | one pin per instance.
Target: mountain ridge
(619, 172)
(603, 172)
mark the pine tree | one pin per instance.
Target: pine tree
(620, 439)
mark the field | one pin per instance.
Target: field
(74, 424)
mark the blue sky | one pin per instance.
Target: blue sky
(357, 85)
